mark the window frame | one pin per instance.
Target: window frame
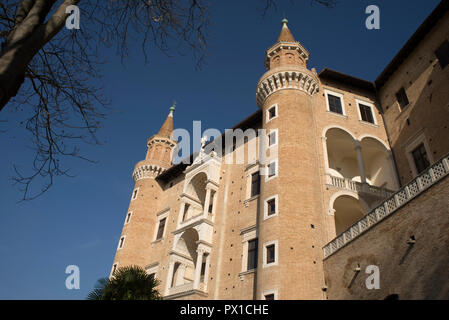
(252, 184)
(248, 234)
(266, 214)
(113, 269)
(128, 217)
(328, 92)
(265, 254)
(402, 90)
(267, 168)
(161, 216)
(421, 147)
(421, 138)
(267, 115)
(121, 242)
(371, 106)
(273, 292)
(275, 132)
(135, 194)
(255, 252)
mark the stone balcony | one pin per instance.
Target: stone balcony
(372, 193)
(420, 184)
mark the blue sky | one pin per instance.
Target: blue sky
(79, 220)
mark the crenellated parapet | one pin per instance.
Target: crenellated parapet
(286, 78)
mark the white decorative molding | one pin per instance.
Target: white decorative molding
(284, 78)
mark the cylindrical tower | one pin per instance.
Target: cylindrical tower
(139, 229)
(291, 215)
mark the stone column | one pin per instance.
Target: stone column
(393, 168)
(206, 271)
(206, 202)
(169, 277)
(199, 262)
(358, 149)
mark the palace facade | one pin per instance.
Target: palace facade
(359, 178)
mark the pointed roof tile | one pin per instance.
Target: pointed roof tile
(167, 128)
(286, 35)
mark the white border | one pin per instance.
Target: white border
(276, 254)
(265, 207)
(248, 236)
(339, 95)
(130, 214)
(371, 106)
(267, 114)
(277, 137)
(272, 291)
(120, 240)
(112, 269)
(412, 146)
(161, 216)
(267, 172)
(137, 194)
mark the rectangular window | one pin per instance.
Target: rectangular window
(366, 113)
(122, 240)
(255, 184)
(272, 113)
(335, 104)
(271, 207)
(128, 217)
(271, 169)
(252, 254)
(271, 253)
(402, 98)
(135, 194)
(269, 296)
(442, 54)
(160, 229)
(272, 138)
(420, 158)
(114, 269)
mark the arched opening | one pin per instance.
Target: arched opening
(347, 211)
(196, 192)
(378, 168)
(184, 272)
(342, 157)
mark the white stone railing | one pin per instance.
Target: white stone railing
(421, 183)
(185, 287)
(182, 288)
(355, 186)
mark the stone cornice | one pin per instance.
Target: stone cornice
(286, 78)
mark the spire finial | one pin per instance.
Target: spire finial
(172, 109)
(284, 21)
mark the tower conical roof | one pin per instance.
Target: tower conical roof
(286, 35)
(167, 128)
